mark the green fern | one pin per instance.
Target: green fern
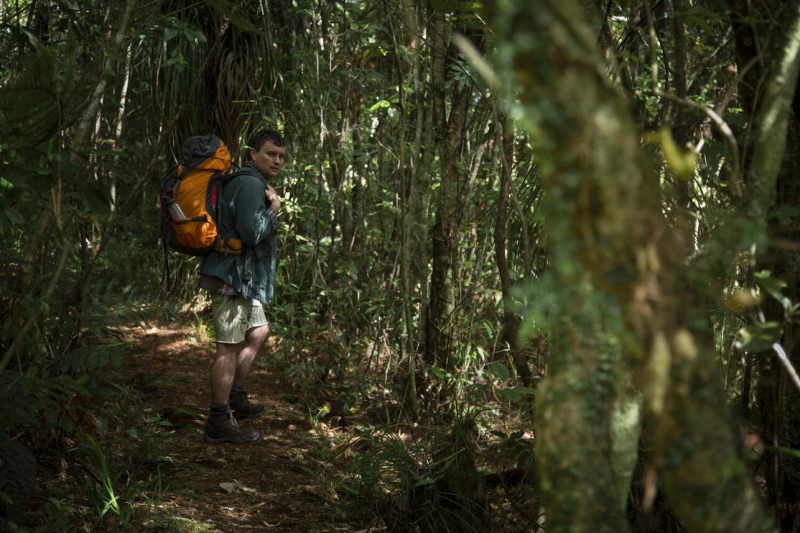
(93, 358)
(105, 308)
(44, 96)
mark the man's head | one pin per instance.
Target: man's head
(267, 150)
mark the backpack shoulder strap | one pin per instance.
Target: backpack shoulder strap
(222, 232)
(240, 172)
(248, 252)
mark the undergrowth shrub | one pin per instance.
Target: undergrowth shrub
(45, 389)
(316, 351)
(435, 486)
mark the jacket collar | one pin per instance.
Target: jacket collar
(250, 166)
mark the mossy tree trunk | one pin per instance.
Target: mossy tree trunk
(613, 252)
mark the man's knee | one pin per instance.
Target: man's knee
(228, 351)
(257, 335)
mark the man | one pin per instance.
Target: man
(241, 283)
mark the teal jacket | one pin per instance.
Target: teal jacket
(247, 216)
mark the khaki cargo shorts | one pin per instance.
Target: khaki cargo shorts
(234, 315)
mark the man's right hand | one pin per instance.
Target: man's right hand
(273, 198)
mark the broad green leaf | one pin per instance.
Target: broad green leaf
(170, 33)
(500, 371)
(14, 216)
(380, 103)
(680, 163)
(516, 394)
(194, 35)
(512, 395)
(773, 286)
(759, 337)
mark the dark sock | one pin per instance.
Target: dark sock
(219, 410)
(238, 392)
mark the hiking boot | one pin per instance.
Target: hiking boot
(226, 429)
(244, 408)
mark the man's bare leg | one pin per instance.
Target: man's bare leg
(223, 371)
(253, 341)
(221, 426)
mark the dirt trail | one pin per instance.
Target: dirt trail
(280, 484)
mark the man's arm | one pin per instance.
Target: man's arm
(272, 198)
(256, 219)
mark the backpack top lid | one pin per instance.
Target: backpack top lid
(204, 152)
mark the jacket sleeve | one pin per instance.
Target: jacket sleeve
(255, 220)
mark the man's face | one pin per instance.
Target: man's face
(269, 159)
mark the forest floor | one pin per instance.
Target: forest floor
(149, 437)
(279, 483)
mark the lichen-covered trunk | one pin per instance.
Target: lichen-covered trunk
(611, 248)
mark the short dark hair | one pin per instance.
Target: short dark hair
(258, 139)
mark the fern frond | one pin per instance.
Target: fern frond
(44, 96)
(30, 103)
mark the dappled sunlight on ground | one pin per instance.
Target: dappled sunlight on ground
(295, 479)
(276, 484)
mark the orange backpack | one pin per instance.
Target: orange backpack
(190, 200)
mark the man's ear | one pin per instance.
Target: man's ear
(253, 153)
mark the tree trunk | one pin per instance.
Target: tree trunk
(604, 219)
(509, 348)
(449, 136)
(422, 217)
(684, 218)
(118, 126)
(409, 200)
(778, 416)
